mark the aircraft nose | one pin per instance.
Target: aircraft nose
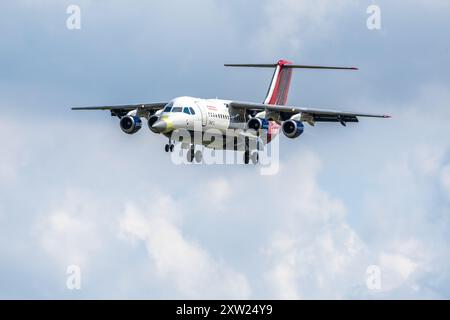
(159, 126)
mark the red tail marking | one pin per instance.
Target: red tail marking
(278, 91)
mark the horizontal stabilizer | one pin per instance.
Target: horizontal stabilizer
(289, 66)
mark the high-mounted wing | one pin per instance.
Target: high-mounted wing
(310, 115)
(122, 110)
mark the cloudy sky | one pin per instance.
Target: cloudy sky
(75, 190)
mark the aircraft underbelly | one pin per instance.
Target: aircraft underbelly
(230, 139)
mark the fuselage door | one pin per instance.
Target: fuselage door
(202, 112)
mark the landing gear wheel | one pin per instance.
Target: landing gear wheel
(198, 156)
(190, 155)
(246, 157)
(167, 148)
(246, 152)
(172, 146)
(255, 157)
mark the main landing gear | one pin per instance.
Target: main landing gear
(192, 154)
(253, 156)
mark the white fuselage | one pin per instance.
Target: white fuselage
(206, 116)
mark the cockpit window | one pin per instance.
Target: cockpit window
(192, 110)
(168, 107)
(177, 109)
(186, 110)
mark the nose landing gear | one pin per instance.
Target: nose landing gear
(170, 146)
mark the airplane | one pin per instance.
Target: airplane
(240, 124)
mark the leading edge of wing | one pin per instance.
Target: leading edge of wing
(147, 106)
(294, 109)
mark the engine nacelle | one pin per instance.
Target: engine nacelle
(292, 129)
(257, 124)
(130, 124)
(151, 121)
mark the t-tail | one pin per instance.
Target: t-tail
(278, 91)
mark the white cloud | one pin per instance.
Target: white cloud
(306, 244)
(13, 153)
(445, 180)
(329, 264)
(406, 220)
(193, 271)
(290, 24)
(72, 232)
(297, 234)
(396, 269)
(313, 252)
(218, 191)
(428, 158)
(215, 193)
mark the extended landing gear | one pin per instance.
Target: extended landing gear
(246, 157)
(254, 157)
(192, 154)
(169, 147)
(250, 156)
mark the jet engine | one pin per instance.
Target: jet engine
(257, 124)
(292, 129)
(151, 121)
(130, 124)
